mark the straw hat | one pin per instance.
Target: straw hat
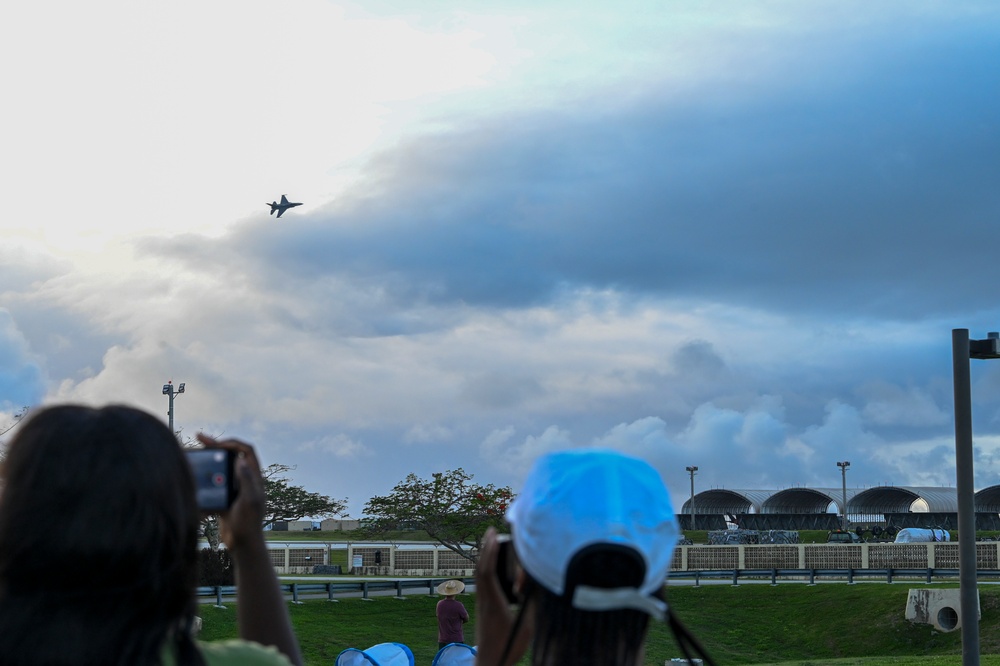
(450, 588)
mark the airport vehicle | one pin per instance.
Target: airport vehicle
(840, 536)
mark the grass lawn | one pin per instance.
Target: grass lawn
(789, 624)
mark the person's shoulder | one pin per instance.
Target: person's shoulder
(238, 652)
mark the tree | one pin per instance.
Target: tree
(451, 508)
(283, 501)
(288, 502)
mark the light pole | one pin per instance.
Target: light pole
(843, 478)
(963, 349)
(170, 392)
(691, 470)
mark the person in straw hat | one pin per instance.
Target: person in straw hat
(451, 614)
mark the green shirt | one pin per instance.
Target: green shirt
(235, 653)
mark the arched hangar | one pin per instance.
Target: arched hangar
(819, 508)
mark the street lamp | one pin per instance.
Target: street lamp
(963, 349)
(170, 392)
(843, 478)
(691, 470)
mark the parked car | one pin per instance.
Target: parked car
(840, 536)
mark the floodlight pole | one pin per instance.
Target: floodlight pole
(843, 478)
(170, 392)
(964, 349)
(691, 470)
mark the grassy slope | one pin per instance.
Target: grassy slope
(749, 624)
(765, 624)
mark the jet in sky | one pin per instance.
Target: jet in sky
(281, 207)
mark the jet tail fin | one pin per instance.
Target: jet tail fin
(273, 205)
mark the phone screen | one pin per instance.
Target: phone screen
(214, 481)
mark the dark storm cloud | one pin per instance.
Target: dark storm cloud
(868, 191)
(837, 208)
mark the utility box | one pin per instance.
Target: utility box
(940, 608)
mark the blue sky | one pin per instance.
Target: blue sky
(733, 235)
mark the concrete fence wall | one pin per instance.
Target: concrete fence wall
(832, 556)
(426, 559)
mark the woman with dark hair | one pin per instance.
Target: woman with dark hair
(593, 534)
(99, 547)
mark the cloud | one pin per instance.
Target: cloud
(22, 381)
(809, 200)
(499, 389)
(842, 427)
(425, 434)
(722, 238)
(341, 446)
(645, 438)
(892, 405)
(517, 457)
(24, 265)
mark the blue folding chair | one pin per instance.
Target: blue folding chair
(455, 654)
(383, 654)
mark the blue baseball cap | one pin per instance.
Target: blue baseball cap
(579, 498)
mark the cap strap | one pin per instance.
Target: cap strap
(603, 599)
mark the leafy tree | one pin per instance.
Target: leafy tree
(451, 508)
(283, 502)
(288, 502)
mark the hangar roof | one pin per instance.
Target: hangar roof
(878, 499)
(988, 500)
(899, 499)
(721, 500)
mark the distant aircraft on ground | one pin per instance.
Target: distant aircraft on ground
(281, 207)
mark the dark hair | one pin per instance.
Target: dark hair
(566, 635)
(98, 540)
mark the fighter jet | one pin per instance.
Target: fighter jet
(281, 207)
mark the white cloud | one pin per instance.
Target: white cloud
(517, 457)
(888, 404)
(341, 446)
(425, 434)
(842, 429)
(22, 381)
(645, 438)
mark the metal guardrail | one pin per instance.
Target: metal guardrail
(332, 589)
(812, 575)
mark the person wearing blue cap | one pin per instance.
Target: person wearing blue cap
(593, 533)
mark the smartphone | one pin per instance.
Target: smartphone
(506, 567)
(214, 478)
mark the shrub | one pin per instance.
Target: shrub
(215, 567)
